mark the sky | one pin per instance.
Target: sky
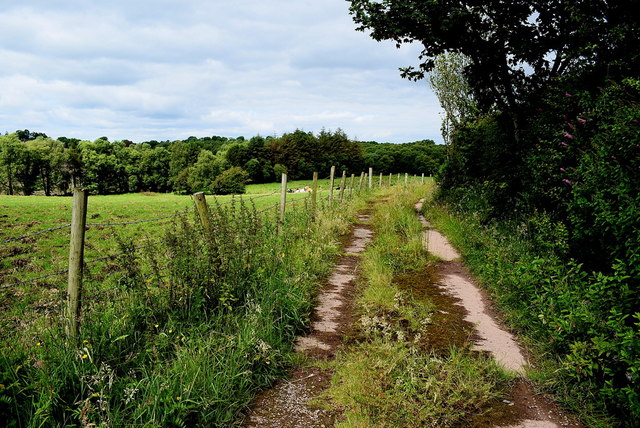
(169, 69)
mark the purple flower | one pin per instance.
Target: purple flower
(568, 95)
(571, 125)
(582, 121)
(565, 181)
(566, 134)
(564, 144)
(563, 170)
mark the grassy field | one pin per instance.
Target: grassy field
(33, 270)
(47, 253)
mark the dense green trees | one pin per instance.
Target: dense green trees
(414, 158)
(32, 162)
(515, 47)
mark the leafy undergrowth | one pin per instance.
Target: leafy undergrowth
(182, 336)
(390, 375)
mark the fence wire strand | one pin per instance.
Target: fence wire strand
(18, 238)
(141, 221)
(15, 284)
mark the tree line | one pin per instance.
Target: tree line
(32, 162)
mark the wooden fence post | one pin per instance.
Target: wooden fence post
(283, 198)
(360, 182)
(203, 211)
(343, 182)
(380, 182)
(353, 177)
(332, 177)
(422, 178)
(398, 179)
(370, 178)
(314, 193)
(390, 179)
(406, 178)
(76, 260)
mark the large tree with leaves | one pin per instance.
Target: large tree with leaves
(514, 46)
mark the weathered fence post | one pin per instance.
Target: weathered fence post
(76, 260)
(314, 193)
(353, 177)
(390, 179)
(380, 182)
(422, 178)
(283, 198)
(406, 178)
(203, 211)
(343, 182)
(332, 177)
(370, 178)
(398, 179)
(360, 182)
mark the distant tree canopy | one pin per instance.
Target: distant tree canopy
(31, 162)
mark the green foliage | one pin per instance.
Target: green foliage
(230, 181)
(448, 81)
(419, 157)
(501, 39)
(186, 166)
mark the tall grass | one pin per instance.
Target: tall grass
(181, 334)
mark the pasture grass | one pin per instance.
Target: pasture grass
(47, 253)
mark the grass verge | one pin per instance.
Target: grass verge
(549, 304)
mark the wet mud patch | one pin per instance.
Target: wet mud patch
(447, 326)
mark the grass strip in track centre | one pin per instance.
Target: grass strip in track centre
(389, 375)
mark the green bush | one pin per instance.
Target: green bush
(230, 181)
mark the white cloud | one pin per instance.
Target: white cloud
(166, 69)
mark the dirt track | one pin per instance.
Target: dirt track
(290, 403)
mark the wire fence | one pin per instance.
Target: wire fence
(310, 200)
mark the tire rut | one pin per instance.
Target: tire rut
(290, 403)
